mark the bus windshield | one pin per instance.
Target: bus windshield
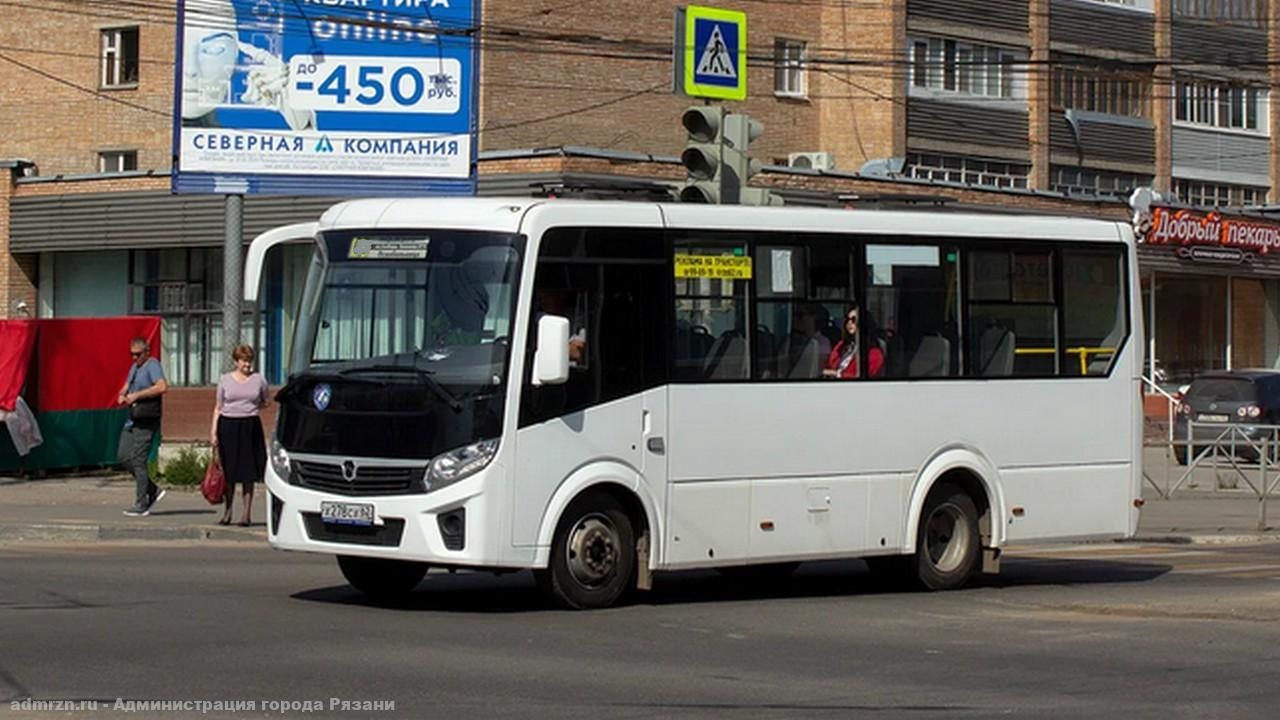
(401, 344)
(437, 301)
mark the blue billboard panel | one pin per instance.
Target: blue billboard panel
(309, 96)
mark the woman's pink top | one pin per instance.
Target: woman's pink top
(241, 399)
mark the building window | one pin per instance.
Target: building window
(117, 161)
(120, 57)
(1099, 89)
(967, 170)
(788, 68)
(1207, 194)
(965, 68)
(1220, 104)
(1235, 12)
(1095, 183)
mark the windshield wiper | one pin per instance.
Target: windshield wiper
(422, 374)
(295, 381)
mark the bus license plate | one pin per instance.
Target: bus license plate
(345, 513)
(1214, 418)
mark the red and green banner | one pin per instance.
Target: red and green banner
(78, 368)
(17, 338)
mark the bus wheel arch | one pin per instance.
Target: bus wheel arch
(599, 543)
(953, 492)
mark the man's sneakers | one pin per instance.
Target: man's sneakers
(145, 510)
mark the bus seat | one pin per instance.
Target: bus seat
(728, 357)
(1101, 362)
(807, 364)
(766, 353)
(995, 352)
(932, 358)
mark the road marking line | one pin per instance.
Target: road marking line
(1225, 569)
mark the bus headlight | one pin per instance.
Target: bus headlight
(279, 460)
(450, 467)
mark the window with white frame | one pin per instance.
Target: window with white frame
(1079, 85)
(1220, 104)
(965, 68)
(117, 161)
(1208, 194)
(119, 57)
(1095, 183)
(967, 170)
(788, 68)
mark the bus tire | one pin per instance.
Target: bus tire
(380, 578)
(947, 543)
(593, 555)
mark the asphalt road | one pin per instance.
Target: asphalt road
(1098, 631)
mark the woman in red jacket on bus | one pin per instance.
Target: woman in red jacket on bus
(843, 361)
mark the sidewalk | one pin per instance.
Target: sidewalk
(1211, 505)
(85, 509)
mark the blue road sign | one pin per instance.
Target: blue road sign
(715, 53)
(342, 97)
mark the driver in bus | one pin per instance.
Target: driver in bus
(559, 302)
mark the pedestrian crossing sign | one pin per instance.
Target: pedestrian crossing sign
(715, 53)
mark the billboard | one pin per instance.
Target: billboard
(331, 97)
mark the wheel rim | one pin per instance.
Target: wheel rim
(947, 537)
(592, 551)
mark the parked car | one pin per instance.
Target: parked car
(1249, 399)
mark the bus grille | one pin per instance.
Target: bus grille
(367, 480)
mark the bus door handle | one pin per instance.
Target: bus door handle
(656, 446)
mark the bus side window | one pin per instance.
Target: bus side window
(605, 281)
(911, 306)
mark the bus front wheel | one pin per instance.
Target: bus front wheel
(382, 579)
(593, 555)
(947, 544)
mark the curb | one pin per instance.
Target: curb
(117, 533)
(1207, 539)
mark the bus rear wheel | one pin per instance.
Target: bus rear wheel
(382, 579)
(947, 544)
(593, 555)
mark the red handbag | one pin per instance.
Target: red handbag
(214, 485)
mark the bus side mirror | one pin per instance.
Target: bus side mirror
(551, 361)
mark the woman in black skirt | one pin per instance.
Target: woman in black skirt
(236, 433)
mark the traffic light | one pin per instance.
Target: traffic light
(740, 131)
(703, 155)
(717, 158)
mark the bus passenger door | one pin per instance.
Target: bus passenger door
(608, 421)
(653, 461)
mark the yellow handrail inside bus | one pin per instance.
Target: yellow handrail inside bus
(1083, 352)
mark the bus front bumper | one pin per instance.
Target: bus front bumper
(443, 527)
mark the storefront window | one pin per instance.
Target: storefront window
(1190, 324)
(184, 287)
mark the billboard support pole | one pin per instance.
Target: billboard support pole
(232, 270)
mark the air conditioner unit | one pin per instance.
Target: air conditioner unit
(812, 160)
